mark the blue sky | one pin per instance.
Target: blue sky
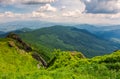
(76, 11)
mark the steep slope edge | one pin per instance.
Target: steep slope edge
(18, 43)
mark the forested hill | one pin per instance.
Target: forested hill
(69, 38)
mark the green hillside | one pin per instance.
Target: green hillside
(18, 63)
(14, 60)
(68, 38)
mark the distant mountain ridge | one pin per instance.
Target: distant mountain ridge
(112, 35)
(16, 25)
(70, 38)
(111, 32)
(97, 28)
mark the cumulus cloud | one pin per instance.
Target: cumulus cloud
(87, 11)
(102, 6)
(36, 14)
(47, 7)
(74, 13)
(69, 4)
(9, 14)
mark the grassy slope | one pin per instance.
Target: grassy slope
(18, 64)
(13, 60)
(68, 38)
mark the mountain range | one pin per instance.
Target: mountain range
(90, 39)
(16, 25)
(110, 32)
(96, 28)
(69, 38)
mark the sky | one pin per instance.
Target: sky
(69, 11)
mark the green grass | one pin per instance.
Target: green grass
(15, 60)
(18, 64)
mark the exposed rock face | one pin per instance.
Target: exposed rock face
(11, 44)
(18, 43)
(39, 58)
(79, 55)
(22, 45)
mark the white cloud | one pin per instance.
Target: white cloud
(88, 0)
(1, 15)
(70, 16)
(69, 5)
(9, 14)
(63, 7)
(75, 13)
(36, 14)
(64, 11)
(22, 16)
(47, 7)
